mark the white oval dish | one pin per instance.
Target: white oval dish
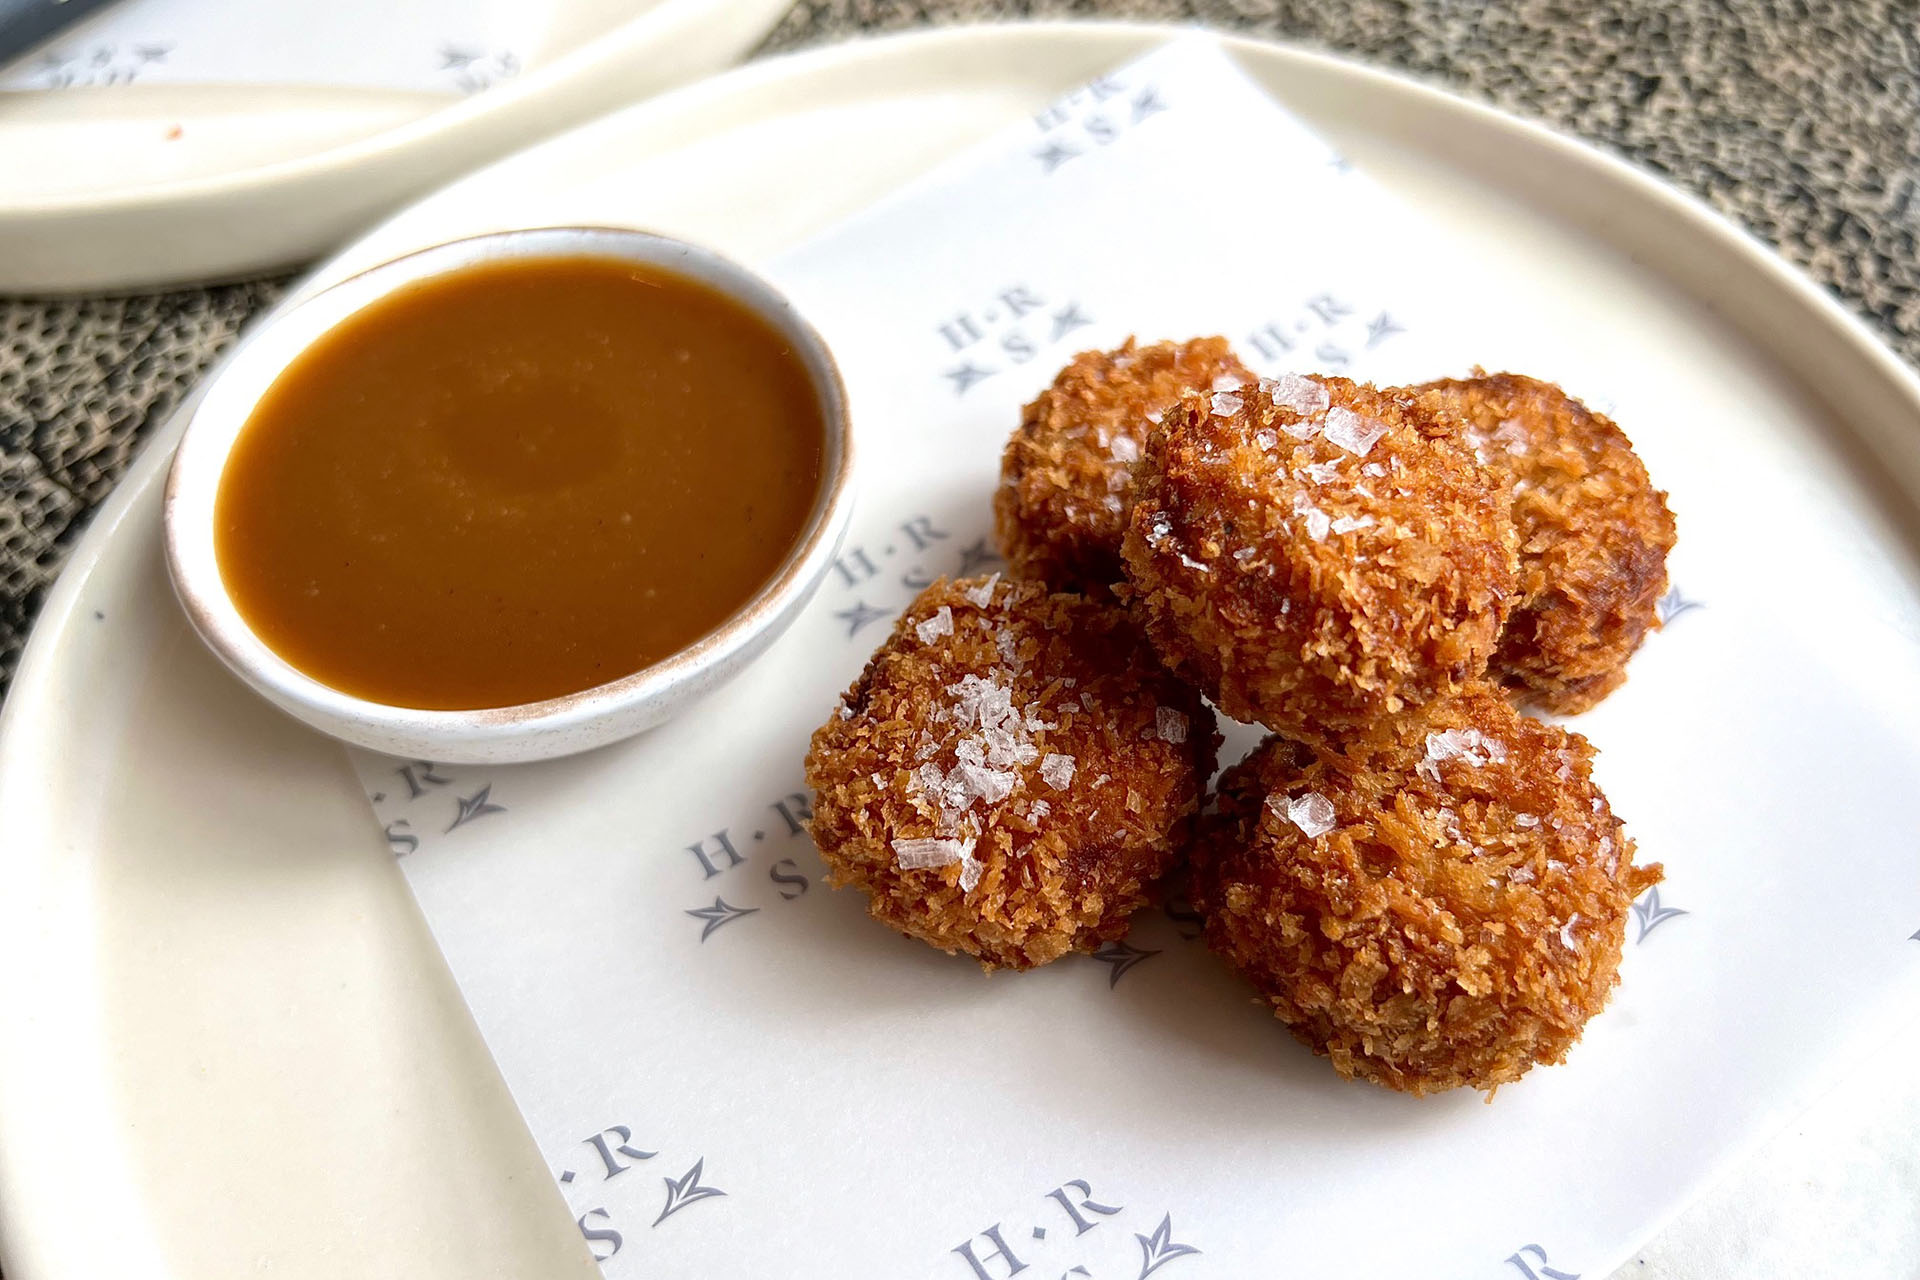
(138, 186)
(532, 731)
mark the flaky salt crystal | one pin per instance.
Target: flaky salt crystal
(1159, 528)
(1267, 440)
(1347, 524)
(940, 624)
(1321, 472)
(1351, 431)
(1225, 404)
(1039, 809)
(1246, 553)
(1170, 724)
(1300, 394)
(970, 872)
(1521, 875)
(1057, 771)
(1566, 932)
(1606, 845)
(1101, 781)
(1226, 382)
(1312, 813)
(1525, 821)
(919, 855)
(1512, 436)
(1124, 449)
(1156, 416)
(1111, 503)
(1317, 521)
(1469, 746)
(1374, 469)
(1191, 563)
(982, 595)
(991, 785)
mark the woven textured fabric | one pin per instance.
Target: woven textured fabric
(1799, 120)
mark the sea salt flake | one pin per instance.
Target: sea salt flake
(1566, 932)
(1525, 821)
(1225, 404)
(1039, 809)
(1312, 813)
(1170, 724)
(1321, 472)
(1124, 449)
(1057, 771)
(919, 855)
(1266, 439)
(1374, 469)
(1300, 394)
(1191, 563)
(940, 624)
(1347, 524)
(1317, 521)
(1351, 431)
(982, 595)
(1512, 436)
(1246, 553)
(1156, 416)
(970, 872)
(1469, 746)
(1521, 875)
(1226, 382)
(991, 785)
(1159, 528)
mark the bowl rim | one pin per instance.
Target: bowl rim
(235, 386)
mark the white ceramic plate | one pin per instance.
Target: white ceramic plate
(131, 186)
(236, 1053)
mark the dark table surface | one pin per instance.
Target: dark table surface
(1801, 121)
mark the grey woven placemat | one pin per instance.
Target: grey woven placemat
(1800, 120)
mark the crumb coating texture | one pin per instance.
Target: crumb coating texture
(1066, 474)
(1316, 554)
(1441, 902)
(1593, 536)
(1011, 774)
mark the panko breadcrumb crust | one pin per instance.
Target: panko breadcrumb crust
(1066, 475)
(1459, 918)
(957, 731)
(1317, 554)
(1594, 536)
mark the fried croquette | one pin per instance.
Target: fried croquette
(1316, 554)
(1435, 903)
(1066, 474)
(1011, 774)
(1594, 536)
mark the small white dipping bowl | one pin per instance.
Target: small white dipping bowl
(534, 730)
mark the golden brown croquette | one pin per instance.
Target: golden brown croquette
(1011, 773)
(1438, 901)
(1065, 477)
(1315, 554)
(1594, 536)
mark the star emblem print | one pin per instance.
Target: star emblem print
(1122, 956)
(685, 1190)
(1053, 155)
(1380, 328)
(1160, 1248)
(859, 616)
(1066, 320)
(1651, 915)
(475, 806)
(1673, 604)
(964, 376)
(975, 557)
(1147, 103)
(718, 916)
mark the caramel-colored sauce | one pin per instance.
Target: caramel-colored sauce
(516, 482)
